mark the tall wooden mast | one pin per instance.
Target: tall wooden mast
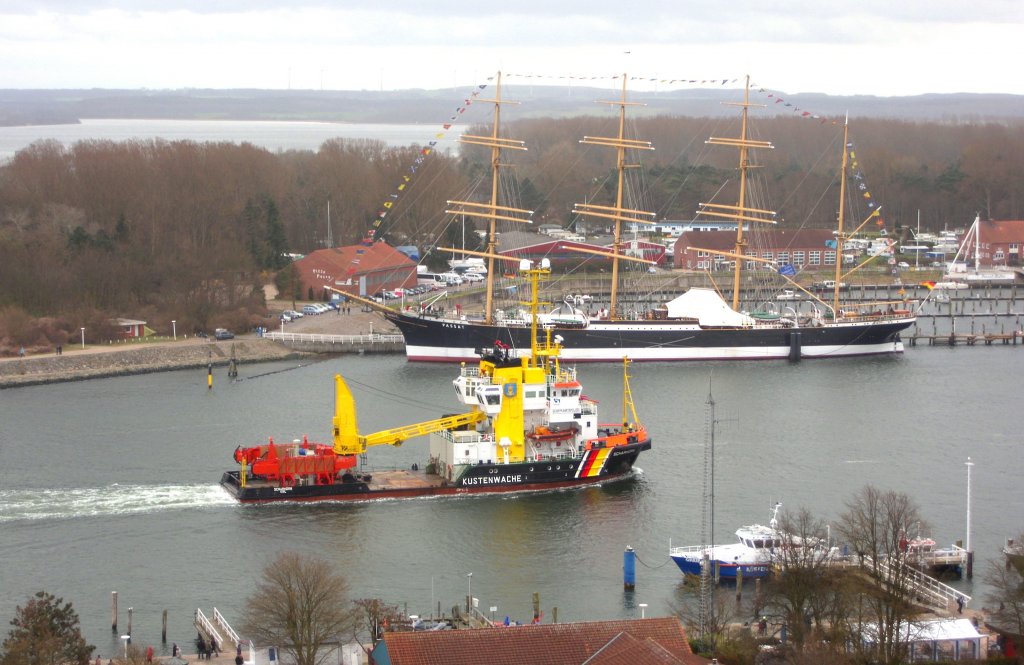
(492, 211)
(840, 237)
(617, 213)
(740, 212)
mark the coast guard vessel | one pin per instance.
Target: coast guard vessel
(529, 427)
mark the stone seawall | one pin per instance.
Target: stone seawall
(76, 365)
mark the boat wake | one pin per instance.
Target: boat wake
(58, 504)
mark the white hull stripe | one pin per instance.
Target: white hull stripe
(663, 353)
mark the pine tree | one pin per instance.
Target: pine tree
(45, 632)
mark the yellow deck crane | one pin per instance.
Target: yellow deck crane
(348, 440)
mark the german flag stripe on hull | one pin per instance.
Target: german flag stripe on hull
(593, 463)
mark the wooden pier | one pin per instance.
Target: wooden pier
(954, 339)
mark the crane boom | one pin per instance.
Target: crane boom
(348, 441)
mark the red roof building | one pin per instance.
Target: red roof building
(657, 641)
(999, 244)
(800, 248)
(358, 269)
(560, 251)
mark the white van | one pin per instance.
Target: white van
(451, 278)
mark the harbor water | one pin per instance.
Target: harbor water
(273, 135)
(111, 484)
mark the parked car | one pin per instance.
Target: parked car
(223, 333)
(310, 309)
(472, 277)
(292, 314)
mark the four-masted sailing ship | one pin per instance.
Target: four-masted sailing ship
(697, 325)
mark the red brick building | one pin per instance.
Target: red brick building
(357, 269)
(999, 244)
(800, 248)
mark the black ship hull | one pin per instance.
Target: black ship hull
(594, 467)
(450, 340)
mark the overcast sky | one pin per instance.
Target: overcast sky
(881, 47)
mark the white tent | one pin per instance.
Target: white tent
(935, 639)
(707, 307)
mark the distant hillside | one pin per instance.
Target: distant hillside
(32, 107)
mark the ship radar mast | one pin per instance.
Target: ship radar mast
(492, 210)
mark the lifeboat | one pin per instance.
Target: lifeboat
(542, 433)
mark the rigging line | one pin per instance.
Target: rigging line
(822, 156)
(647, 565)
(397, 397)
(442, 222)
(279, 371)
(417, 189)
(689, 171)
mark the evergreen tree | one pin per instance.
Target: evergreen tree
(275, 242)
(45, 632)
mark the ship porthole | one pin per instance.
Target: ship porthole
(558, 468)
(531, 468)
(549, 468)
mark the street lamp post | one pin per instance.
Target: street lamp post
(643, 608)
(174, 329)
(83, 337)
(126, 639)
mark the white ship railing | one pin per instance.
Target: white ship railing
(354, 340)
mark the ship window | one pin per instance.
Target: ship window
(467, 453)
(494, 399)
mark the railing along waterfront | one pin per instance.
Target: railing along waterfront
(317, 343)
(371, 338)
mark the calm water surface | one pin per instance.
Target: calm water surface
(272, 135)
(111, 484)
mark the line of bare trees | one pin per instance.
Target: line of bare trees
(163, 230)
